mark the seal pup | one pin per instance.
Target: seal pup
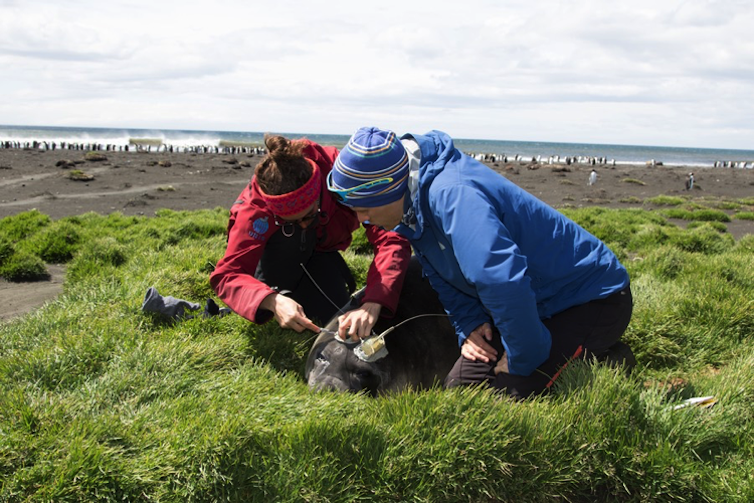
(421, 351)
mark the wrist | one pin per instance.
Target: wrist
(372, 308)
(269, 302)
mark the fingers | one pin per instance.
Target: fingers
(291, 315)
(354, 327)
(502, 365)
(487, 331)
(304, 322)
(473, 352)
(299, 324)
(307, 324)
(476, 346)
(342, 327)
(360, 330)
(358, 324)
(484, 330)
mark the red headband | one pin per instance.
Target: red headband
(297, 201)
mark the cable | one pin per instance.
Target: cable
(339, 308)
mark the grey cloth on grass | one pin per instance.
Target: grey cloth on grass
(168, 306)
(176, 308)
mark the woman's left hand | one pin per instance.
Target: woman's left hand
(357, 324)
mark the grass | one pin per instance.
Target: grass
(95, 157)
(634, 181)
(630, 200)
(78, 175)
(726, 205)
(99, 401)
(707, 215)
(663, 200)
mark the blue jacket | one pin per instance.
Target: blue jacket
(494, 253)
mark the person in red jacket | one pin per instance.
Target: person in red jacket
(284, 237)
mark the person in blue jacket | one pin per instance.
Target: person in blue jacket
(527, 289)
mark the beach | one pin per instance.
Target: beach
(140, 183)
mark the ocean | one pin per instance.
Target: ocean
(621, 154)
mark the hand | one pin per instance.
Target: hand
(288, 313)
(476, 346)
(357, 324)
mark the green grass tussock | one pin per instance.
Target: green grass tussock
(666, 200)
(30, 239)
(705, 215)
(718, 226)
(55, 243)
(746, 244)
(704, 239)
(17, 227)
(630, 200)
(634, 181)
(206, 225)
(6, 250)
(95, 157)
(23, 266)
(630, 231)
(726, 205)
(100, 401)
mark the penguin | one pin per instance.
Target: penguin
(690, 181)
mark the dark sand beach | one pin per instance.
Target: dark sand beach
(139, 183)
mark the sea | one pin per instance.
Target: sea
(542, 151)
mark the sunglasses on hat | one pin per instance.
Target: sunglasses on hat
(342, 195)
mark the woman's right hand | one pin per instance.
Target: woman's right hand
(288, 313)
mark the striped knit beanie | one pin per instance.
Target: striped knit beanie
(375, 160)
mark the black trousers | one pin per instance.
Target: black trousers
(284, 266)
(583, 331)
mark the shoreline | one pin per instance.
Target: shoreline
(495, 153)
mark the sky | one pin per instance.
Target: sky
(669, 73)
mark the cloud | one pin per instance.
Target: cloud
(677, 72)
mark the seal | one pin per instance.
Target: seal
(421, 351)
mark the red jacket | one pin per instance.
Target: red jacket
(251, 225)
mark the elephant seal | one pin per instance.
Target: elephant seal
(421, 351)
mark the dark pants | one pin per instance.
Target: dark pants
(282, 267)
(583, 331)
